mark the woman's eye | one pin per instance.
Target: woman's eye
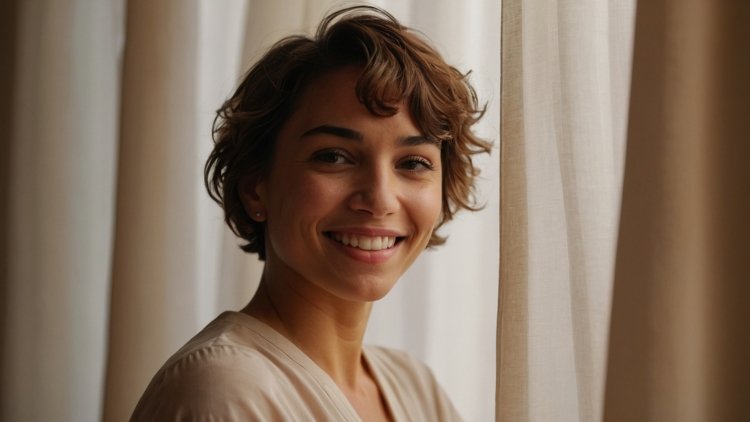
(416, 164)
(330, 157)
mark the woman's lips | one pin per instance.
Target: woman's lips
(367, 243)
(372, 249)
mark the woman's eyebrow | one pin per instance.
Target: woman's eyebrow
(416, 140)
(352, 134)
(341, 132)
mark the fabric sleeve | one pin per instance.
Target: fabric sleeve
(216, 383)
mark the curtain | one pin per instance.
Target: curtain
(565, 83)
(666, 259)
(116, 256)
(679, 343)
(112, 255)
(60, 140)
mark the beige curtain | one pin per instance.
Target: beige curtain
(116, 256)
(680, 344)
(565, 83)
(62, 103)
(677, 346)
(112, 256)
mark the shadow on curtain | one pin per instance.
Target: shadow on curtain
(679, 342)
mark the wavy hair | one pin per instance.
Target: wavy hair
(398, 65)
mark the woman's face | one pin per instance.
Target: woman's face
(352, 198)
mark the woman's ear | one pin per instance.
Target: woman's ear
(253, 197)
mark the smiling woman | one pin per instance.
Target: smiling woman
(336, 160)
(360, 182)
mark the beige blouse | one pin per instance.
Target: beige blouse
(240, 369)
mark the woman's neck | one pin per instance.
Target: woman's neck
(327, 329)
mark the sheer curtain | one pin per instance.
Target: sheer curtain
(115, 255)
(565, 85)
(668, 259)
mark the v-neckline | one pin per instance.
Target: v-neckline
(383, 388)
(327, 384)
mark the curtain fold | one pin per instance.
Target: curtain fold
(564, 101)
(154, 265)
(174, 265)
(8, 48)
(679, 345)
(61, 152)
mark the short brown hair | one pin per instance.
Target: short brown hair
(398, 65)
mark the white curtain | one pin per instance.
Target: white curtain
(116, 256)
(565, 85)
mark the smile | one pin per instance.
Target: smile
(366, 243)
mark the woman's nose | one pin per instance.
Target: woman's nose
(375, 191)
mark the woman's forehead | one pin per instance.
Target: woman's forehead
(332, 98)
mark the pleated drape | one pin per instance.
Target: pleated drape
(154, 264)
(174, 267)
(677, 346)
(565, 76)
(679, 342)
(59, 215)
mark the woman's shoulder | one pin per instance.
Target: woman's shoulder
(227, 347)
(230, 368)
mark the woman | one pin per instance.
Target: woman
(336, 160)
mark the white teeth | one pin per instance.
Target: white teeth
(367, 243)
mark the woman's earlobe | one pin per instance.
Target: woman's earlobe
(253, 201)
